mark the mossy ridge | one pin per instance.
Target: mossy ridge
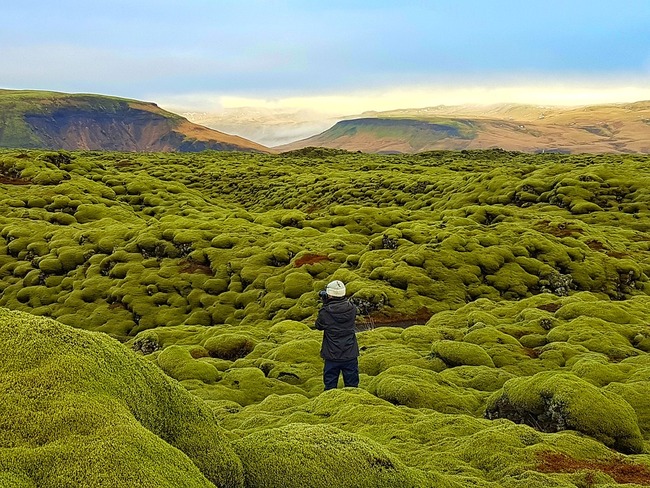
(278, 458)
(418, 388)
(159, 434)
(455, 449)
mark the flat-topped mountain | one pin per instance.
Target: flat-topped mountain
(611, 128)
(52, 120)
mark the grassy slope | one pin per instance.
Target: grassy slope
(527, 275)
(16, 131)
(612, 128)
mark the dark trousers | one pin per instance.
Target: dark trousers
(332, 369)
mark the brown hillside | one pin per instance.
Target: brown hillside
(615, 128)
(52, 120)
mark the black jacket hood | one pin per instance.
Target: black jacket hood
(341, 310)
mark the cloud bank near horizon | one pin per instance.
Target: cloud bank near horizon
(393, 98)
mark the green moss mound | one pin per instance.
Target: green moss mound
(79, 409)
(418, 388)
(300, 455)
(229, 346)
(461, 353)
(555, 401)
(178, 362)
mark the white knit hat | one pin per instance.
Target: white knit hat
(335, 288)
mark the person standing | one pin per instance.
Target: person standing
(340, 349)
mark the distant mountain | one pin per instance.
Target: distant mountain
(52, 120)
(612, 128)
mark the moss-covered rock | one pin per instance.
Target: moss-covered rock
(596, 335)
(480, 378)
(297, 284)
(244, 385)
(301, 455)
(553, 401)
(104, 415)
(230, 346)
(178, 362)
(418, 388)
(461, 353)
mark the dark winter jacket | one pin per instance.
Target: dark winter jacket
(336, 320)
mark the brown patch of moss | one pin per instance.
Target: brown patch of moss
(400, 320)
(530, 352)
(620, 470)
(188, 266)
(5, 180)
(595, 245)
(550, 307)
(618, 254)
(561, 230)
(310, 259)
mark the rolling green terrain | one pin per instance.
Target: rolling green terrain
(504, 331)
(52, 120)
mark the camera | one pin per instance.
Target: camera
(322, 295)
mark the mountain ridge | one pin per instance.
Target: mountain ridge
(55, 120)
(34, 119)
(605, 128)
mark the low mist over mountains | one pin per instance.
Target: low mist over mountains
(266, 126)
(50, 120)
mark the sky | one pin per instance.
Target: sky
(336, 56)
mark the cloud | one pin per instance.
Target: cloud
(568, 92)
(337, 56)
(50, 66)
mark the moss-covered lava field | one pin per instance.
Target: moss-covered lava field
(504, 319)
